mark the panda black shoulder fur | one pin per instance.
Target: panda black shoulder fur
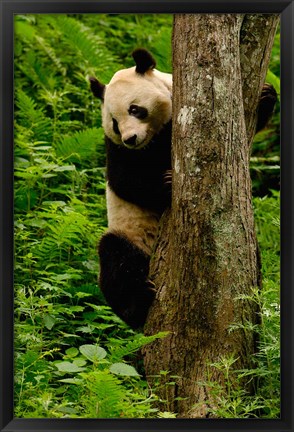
(136, 117)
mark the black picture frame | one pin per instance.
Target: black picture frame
(10, 7)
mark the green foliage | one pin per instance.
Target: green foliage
(73, 356)
(71, 351)
(80, 145)
(123, 33)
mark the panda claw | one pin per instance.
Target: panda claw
(168, 177)
(151, 285)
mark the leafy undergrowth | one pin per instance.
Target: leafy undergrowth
(73, 356)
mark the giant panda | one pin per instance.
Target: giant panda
(136, 117)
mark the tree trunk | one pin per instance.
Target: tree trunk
(207, 254)
(256, 40)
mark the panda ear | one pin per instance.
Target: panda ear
(97, 88)
(144, 60)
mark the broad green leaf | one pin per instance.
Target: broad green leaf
(68, 367)
(79, 362)
(49, 321)
(65, 168)
(71, 380)
(72, 352)
(93, 353)
(85, 329)
(123, 369)
(67, 410)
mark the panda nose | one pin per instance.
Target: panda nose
(131, 140)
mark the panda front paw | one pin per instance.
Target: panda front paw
(266, 106)
(167, 181)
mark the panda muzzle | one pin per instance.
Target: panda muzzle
(131, 141)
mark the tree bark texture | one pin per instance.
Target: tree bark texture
(256, 41)
(207, 252)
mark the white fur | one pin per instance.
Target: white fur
(138, 224)
(152, 91)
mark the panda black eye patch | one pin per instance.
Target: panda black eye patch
(115, 127)
(138, 112)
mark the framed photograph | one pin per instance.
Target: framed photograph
(146, 215)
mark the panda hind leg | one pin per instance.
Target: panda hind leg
(266, 106)
(123, 278)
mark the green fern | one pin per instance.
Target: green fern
(65, 234)
(106, 394)
(90, 49)
(49, 50)
(80, 146)
(24, 30)
(33, 118)
(133, 345)
(37, 71)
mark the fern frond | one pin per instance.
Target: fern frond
(66, 233)
(133, 345)
(37, 72)
(49, 50)
(90, 49)
(33, 118)
(24, 30)
(80, 146)
(109, 394)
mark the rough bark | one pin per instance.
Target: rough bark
(207, 254)
(256, 41)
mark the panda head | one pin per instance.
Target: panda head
(136, 104)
